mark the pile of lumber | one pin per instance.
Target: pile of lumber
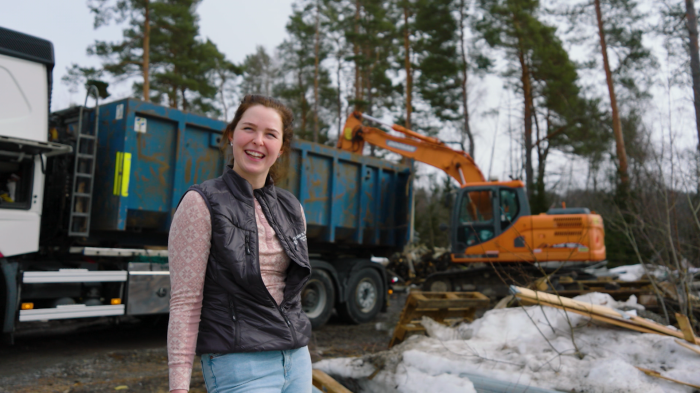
(606, 314)
(617, 318)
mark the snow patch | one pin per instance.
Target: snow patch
(533, 346)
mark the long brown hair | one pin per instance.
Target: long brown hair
(278, 169)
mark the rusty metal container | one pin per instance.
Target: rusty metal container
(148, 156)
(350, 200)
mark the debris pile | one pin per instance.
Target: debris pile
(585, 344)
(417, 262)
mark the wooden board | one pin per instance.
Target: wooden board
(656, 374)
(563, 301)
(686, 345)
(686, 328)
(595, 311)
(602, 318)
(326, 383)
(448, 299)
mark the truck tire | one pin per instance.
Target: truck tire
(365, 297)
(318, 298)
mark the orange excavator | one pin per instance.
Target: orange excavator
(491, 220)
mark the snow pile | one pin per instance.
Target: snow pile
(529, 346)
(637, 272)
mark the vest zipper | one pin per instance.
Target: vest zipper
(247, 243)
(276, 227)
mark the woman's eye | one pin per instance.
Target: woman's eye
(272, 135)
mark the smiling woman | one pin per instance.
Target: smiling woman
(236, 269)
(259, 134)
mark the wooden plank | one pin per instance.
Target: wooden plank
(686, 328)
(569, 303)
(325, 383)
(656, 374)
(691, 347)
(451, 303)
(613, 321)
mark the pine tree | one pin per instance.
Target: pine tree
(679, 27)
(177, 63)
(540, 69)
(224, 76)
(305, 83)
(626, 62)
(259, 73)
(372, 36)
(134, 52)
(692, 26)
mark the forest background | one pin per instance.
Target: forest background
(596, 105)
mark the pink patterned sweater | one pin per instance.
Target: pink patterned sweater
(188, 251)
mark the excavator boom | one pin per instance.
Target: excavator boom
(456, 163)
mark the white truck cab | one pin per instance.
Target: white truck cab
(26, 64)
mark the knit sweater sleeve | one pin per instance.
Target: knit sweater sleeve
(189, 242)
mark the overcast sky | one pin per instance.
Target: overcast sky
(236, 26)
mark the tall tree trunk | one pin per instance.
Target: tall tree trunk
(316, 55)
(692, 23)
(407, 65)
(617, 125)
(356, 52)
(540, 202)
(185, 104)
(527, 103)
(302, 103)
(465, 108)
(146, 53)
(224, 105)
(339, 98)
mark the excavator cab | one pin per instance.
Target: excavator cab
(483, 212)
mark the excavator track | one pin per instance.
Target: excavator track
(494, 280)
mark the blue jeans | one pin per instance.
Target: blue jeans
(258, 372)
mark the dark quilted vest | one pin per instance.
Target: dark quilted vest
(238, 312)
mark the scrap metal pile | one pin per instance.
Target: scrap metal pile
(417, 262)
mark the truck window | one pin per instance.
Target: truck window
(510, 208)
(15, 183)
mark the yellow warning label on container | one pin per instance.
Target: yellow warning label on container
(348, 133)
(122, 171)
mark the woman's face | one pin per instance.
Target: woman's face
(257, 143)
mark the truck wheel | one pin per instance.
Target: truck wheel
(365, 297)
(318, 298)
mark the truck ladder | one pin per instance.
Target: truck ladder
(84, 173)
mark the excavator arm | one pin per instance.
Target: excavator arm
(456, 163)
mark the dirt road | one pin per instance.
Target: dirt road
(133, 358)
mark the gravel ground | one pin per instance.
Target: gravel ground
(133, 358)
